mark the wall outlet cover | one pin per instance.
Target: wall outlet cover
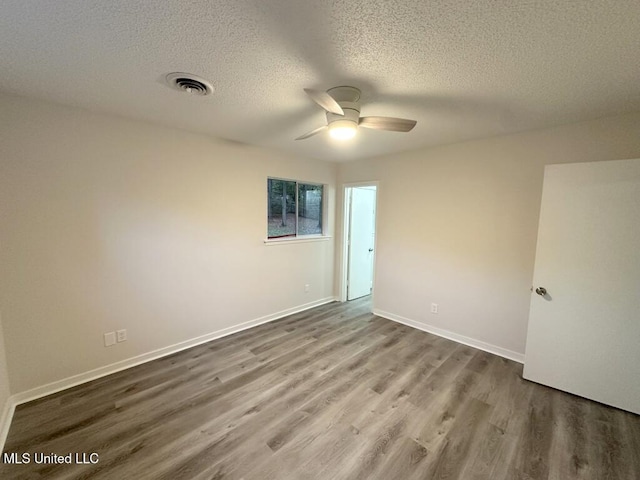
(121, 335)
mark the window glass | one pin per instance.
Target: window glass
(309, 209)
(281, 208)
(294, 208)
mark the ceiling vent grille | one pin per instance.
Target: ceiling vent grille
(186, 82)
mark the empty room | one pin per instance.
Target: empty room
(284, 239)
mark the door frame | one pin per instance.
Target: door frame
(346, 223)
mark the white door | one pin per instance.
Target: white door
(584, 334)
(361, 242)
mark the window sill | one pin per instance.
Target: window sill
(286, 241)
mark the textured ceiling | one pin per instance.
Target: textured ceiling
(464, 69)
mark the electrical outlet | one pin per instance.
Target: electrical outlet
(121, 335)
(306, 288)
(109, 339)
(434, 308)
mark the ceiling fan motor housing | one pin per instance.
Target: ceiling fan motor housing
(349, 100)
(345, 94)
(351, 114)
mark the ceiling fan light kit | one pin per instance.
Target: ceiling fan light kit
(342, 129)
(345, 126)
(342, 105)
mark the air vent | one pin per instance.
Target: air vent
(188, 83)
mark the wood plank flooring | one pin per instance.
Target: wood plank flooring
(330, 393)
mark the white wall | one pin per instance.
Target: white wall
(457, 224)
(107, 223)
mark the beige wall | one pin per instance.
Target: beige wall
(108, 223)
(457, 225)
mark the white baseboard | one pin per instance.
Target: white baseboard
(74, 380)
(472, 342)
(5, 420)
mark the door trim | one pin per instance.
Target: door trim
(346, 215)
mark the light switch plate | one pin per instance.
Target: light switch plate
(109, 339)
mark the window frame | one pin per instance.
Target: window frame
(297, 238)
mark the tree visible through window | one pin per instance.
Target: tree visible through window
(294, 208)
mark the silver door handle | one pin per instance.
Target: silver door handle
(541, 291)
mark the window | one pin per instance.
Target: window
(294, 208)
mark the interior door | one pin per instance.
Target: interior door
(361, 242)
(584, 333)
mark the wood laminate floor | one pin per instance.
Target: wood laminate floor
(330, 393)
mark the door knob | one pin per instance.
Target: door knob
(541, 291)
(371, 249)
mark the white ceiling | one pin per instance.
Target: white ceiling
(464, 69)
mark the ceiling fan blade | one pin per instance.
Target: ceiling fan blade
(325, 100)
(312, 132)
(388, 123)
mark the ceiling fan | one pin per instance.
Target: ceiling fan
(343, 114)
